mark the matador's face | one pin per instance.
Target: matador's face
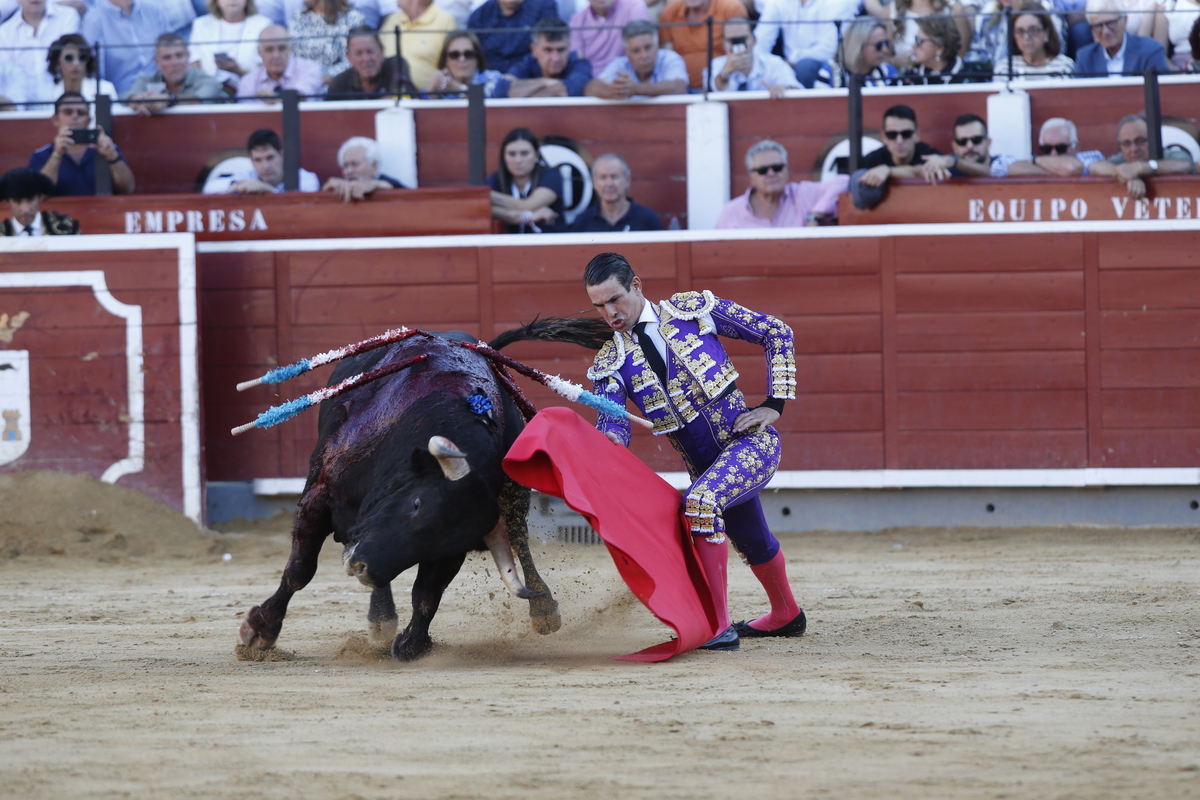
(619, 306)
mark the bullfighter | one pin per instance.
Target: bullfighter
(691, 396)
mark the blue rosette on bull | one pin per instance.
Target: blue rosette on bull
(412, 430)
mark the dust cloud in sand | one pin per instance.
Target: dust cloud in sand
(1021, 663)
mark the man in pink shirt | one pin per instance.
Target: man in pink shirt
(280, 70)
(596, 30)
(773, 202)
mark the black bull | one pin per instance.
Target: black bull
(407, 471)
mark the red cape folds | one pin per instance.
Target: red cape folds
(637, 514)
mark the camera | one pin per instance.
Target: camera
(737, 44)
(85, 136)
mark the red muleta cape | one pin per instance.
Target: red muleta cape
(637, 514)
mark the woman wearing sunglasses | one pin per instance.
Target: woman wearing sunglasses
(904, 16)
(71, 68)
(462, 64)
(864, 51)
(934, 53)
(1036, 46)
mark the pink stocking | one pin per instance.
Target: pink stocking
(773, 577)
(714, 558)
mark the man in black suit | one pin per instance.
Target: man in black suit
(25, 189)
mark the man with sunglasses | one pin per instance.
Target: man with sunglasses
(903, 153)
(1115, 51)
(774, 202)
(1134, 162)
(1057, 152)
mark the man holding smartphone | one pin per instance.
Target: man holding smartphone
(70, 160)
(747, 69)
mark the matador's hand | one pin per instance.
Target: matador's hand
(755, 418)
(612, 437)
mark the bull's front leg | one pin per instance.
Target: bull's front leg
(381, 617)
(514, 512)
(432, 579)
(313, 523)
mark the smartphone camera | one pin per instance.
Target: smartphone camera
(85, 136)
(737, 44)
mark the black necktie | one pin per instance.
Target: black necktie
(29, 230)
(652, 355)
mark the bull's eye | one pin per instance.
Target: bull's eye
(416, 504)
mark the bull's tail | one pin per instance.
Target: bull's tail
(588, 332)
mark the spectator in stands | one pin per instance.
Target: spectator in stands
(1133, 162)
(503, 28)
(685, 30)
(746, 68)
(16, 87)
(904, 13)
(1058, 145)
(1035, 45)
(550, 69)
(774, 202)
(359, 159)
(173, 81)
(596, 29)
(72, 166)
(615, 211)
(935, 54)
(903, 153)
(265, 175)
(1194, 41)
(280, 70)
(318, 32)
(126, 30)
(26, 35)
(370, 73)
(25, 190)
(810, 37)
(423, 25)
(526, 193)
(646, 70)
(865, 49)
(972, 156)
(224, 41)
(1183, 17)
(463, 64)
(70, 67)
(1116, 52)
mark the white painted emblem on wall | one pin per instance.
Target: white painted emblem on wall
(14, 404)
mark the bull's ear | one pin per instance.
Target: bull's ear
(424, 463)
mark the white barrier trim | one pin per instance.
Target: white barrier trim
(905, 479)
(831, 232)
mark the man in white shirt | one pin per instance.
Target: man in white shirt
(809, 36)
(646, 70)
(25, 190)
(265, 176)
(746, 69)
(28, 34)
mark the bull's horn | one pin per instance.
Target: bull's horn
(453, 461)
(497, 543)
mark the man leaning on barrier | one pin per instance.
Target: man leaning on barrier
(772, 201)
(173, 81)
(550, 69)
(646, 70)
(265, 173)
(1133, 162)
(358, 158)
(1058, 153)
(370, 73)
(903, 153)
(972, 157)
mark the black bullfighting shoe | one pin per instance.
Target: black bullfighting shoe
(726, 640)
(794, 628)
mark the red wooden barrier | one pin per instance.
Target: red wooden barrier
(942, 349)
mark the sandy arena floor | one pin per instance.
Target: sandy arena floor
(938, 664)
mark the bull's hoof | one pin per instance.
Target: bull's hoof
(382, 632)
(410, 646)
(543, 614)
(254, 633)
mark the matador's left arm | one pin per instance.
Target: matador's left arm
(772, 334)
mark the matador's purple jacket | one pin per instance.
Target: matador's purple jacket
(698, 397)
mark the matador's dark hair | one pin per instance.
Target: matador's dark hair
(608, 265)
